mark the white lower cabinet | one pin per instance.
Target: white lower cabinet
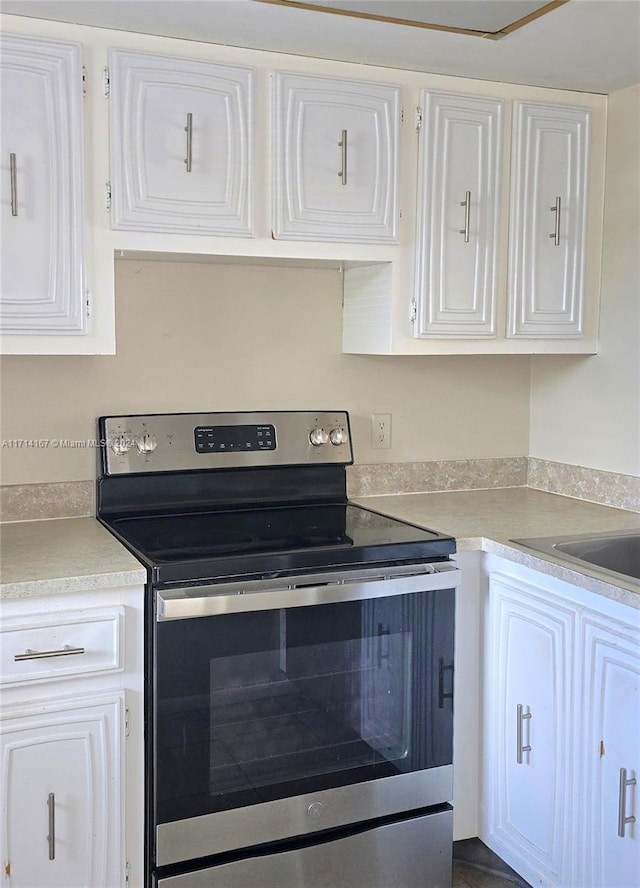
(71, 740)
(61, 800)
(610, 840)
(561, 731)
(529, 712)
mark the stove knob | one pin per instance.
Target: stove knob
(146, 443)
(318, 437)
(338, 436)
(121, 444)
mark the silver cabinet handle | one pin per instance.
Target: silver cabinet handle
(556, 209)
(189, 131)
(14, 185)
(622, 802)
(66, 651)
(466, 203)
(521, 715)
(51, 838)
(343, 145)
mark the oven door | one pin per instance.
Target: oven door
(288, 707)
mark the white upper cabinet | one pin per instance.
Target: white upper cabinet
(436, 195)
(508, 233)
(42, 279)
(336, 154)
(459, 187)
(181, 145)
(547, 238)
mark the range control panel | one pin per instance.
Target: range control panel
(173, 442)
(234, 439)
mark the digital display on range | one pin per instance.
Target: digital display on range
(234, 439)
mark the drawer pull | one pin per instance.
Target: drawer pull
(66, 651)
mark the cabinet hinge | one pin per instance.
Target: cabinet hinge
(88, 302)
(107, 186)
(418, 118)
(106, 77)
(84, 81)
(127, 873)
(402, 115)
(413, 310)
(127, 721)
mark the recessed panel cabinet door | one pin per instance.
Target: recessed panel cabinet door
(611, 813)
(336, 147)
(61, 807)
(42, 276)
(181, 141)
(459, 179)
(529, 722)
(548, 221)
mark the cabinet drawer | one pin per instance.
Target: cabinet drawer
(52, 646)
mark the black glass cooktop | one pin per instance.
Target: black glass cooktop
(221, 543)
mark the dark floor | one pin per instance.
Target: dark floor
(475, 866)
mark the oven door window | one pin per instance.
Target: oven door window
(272, 704)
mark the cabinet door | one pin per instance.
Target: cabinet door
(459, 178)
(336, 147)
(181, 143)
(61, 803)
(528, 730)
(549, 184)
(611, 846)
(42, 279)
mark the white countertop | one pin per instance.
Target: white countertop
(490, 519)
(77, 554)
(63, 555)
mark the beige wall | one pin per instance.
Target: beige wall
(224, 337)
(586, 411)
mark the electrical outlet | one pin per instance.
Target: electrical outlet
(380, 431)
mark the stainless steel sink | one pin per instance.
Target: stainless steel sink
(616, 553)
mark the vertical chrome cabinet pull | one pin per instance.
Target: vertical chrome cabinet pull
(343, 144)
(189, 131)
(14, 185)
(466, 203)
(556, 209)
(51, 838)
(622, 802)
(520, 748)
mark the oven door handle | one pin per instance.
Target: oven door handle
(209, 601)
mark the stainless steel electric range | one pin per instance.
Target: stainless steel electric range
(299, 656)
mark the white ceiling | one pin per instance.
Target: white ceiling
(590, 45)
